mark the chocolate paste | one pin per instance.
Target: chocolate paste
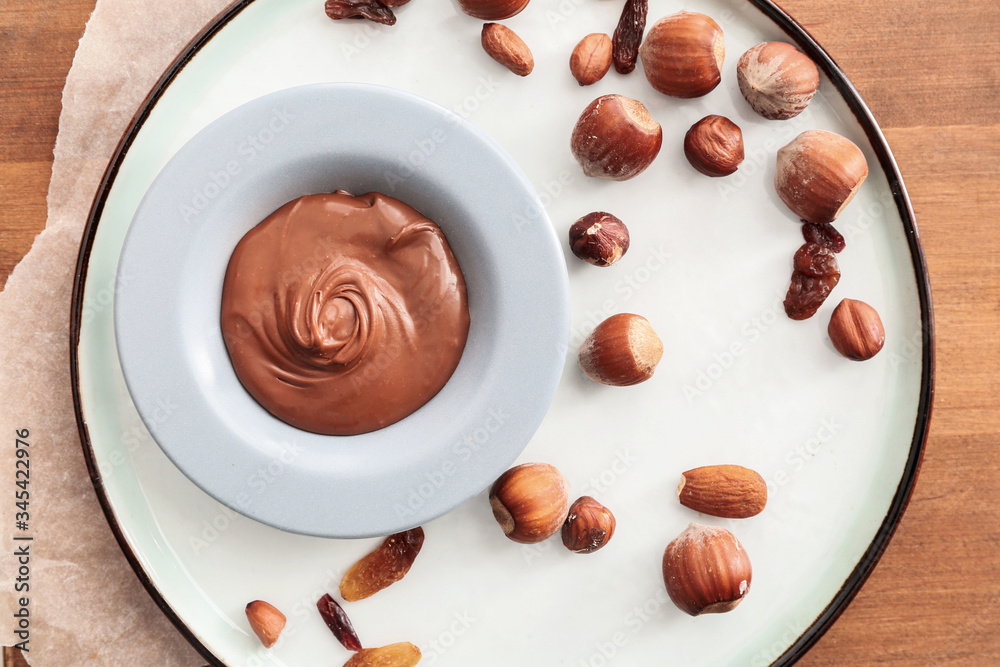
(344, 314)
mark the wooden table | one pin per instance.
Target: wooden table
(930, 71)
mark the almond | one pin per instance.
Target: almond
(591, 58)
(728, 491)
(504, 46)
(265, 621)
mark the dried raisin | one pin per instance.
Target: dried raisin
(384, 566)
(336, 619)
(373, 10)
(816, 274)
(628, 35)
(403, 654)
(824, 234)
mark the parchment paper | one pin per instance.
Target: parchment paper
(85, 604)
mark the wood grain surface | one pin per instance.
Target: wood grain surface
(930, 71)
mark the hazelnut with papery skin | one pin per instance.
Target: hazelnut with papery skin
(777, 80)
(599, 238)
(530, 502)
(682, 55)
(615, 138)
(714, 146)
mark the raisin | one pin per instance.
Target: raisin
(816, 274)
(336, 619)
(373, 10)
(384, 566)
(823, 234)
(403, 654)
(628, 35)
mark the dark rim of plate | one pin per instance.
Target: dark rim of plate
(810, 47)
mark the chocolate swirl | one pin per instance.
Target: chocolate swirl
(344, 314)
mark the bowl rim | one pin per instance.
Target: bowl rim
(170, 344)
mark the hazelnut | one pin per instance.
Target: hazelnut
(615, 138)
(856, 330)
(591, 58)
(714, 146)
(504, 46)
(622, 350)
(818, 173)
(265, 621)
(777, 79)
(682, 54)
(589, 526)
(706, 570)
(492, 10)
(599, 238)
(530, 502)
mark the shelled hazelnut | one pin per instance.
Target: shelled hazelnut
(856, 330)
(714, 146)
(599, 238)
(588, 527)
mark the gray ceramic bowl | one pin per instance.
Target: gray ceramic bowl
(359, 138)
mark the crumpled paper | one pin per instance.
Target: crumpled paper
(84, 603)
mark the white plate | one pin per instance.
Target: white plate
(839, 442)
